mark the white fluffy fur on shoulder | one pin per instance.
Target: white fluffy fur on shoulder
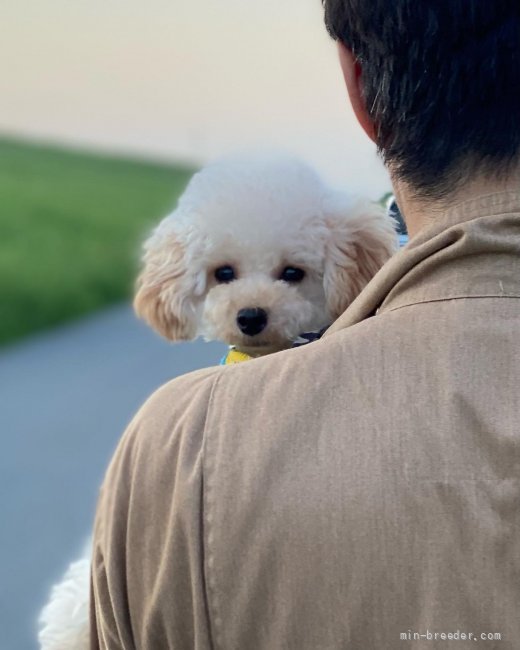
(64, 621)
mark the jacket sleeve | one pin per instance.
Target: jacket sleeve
(147, 575)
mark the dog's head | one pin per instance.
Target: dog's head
(258, 252)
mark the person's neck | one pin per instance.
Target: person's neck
(419, 212)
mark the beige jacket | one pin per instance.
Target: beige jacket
(341, 494)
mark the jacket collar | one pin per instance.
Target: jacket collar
(472, 250)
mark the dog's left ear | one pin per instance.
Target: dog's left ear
(169, 286)
(362, 238)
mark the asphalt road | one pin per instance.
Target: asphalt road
(65, 398)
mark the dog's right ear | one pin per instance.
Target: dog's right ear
(165, 296)
(362, 238)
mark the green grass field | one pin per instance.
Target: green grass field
(71, 225)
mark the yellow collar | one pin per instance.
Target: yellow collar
(235, 356)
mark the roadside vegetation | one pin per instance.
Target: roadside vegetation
(71, 224)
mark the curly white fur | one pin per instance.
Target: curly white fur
(64, 621)
(257, 215)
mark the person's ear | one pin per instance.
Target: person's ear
(353, 75)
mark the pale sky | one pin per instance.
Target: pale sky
(183, 80)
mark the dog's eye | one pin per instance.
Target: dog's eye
(292, 274)
(225, 274)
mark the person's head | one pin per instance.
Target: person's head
(436, 84)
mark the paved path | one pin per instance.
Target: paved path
(65, 398)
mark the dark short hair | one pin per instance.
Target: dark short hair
(441, 81)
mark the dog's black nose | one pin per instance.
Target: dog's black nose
(252, 320)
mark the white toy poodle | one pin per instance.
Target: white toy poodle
(258, 253)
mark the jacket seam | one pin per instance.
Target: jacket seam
(214, 620)
(381, 311)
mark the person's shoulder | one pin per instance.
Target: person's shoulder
(179, 403)
(368, 337)
(173, 412)
(299, 378)
(182, 405)
(178, 394)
